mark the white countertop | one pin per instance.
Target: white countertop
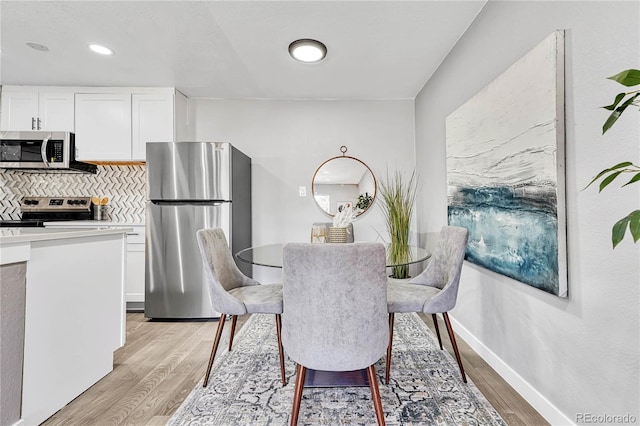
(23, 235)
(92, 223)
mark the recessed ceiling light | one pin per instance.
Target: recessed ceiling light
(307, 50)
(101, 49)
(37, 46)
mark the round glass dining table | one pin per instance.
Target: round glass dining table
(271, 255)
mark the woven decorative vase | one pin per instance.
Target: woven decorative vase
(337, 235)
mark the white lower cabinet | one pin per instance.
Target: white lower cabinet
(135, 269)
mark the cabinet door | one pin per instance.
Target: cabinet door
(55, 112)
(135, 264)
(103, 126)
(135, 273)
(152, 121)
(19, 111)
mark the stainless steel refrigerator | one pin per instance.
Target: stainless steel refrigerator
(191, 186)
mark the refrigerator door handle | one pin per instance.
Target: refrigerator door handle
(215, 203)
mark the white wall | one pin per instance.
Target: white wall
(288, 140)
(567, 356)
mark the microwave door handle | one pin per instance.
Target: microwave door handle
(43, 151)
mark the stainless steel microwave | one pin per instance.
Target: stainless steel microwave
(41, 150)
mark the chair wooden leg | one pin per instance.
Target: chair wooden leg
(435, 323)
(375, 395)
(234, 319)
(280, 350)
(297, 394)
(455, 346)
(216, 341)
(388, 369)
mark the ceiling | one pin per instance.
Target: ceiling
(233, 49)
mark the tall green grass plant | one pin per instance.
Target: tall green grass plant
(398, 196)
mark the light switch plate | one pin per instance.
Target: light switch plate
(303, 191)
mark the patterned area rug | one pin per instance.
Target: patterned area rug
(425, 386)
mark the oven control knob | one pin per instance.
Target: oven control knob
(83, 202)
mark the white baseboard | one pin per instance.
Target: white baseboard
(19, 423)
(546, 409)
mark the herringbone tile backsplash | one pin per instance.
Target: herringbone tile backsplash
(124, 185)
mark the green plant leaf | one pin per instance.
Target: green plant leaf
(618, 231)
(634, 225)
(636, 178)
(628, 102)
(621, 165)
(630, 77)
(605, 171)
(620, 228)
(612, 119)
(616, 114)
(606, 181)
(615, 103)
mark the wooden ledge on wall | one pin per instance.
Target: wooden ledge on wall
(117, 163)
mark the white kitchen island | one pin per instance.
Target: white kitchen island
(74, 310)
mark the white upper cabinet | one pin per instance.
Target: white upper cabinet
(103, 126)
(19, 111)
(152, 121)
(110, 123)
(32, 109)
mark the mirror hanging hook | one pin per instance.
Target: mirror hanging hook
(343, 150)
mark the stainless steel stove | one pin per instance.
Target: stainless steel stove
(37, 210)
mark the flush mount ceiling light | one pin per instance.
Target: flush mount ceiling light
(307, 50)
(37, 46)
(101, 49)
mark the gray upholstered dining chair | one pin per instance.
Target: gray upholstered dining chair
(335, 311)
(233, 293)
(326, 225)
(434, 291)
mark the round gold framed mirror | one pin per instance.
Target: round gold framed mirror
(342, 181)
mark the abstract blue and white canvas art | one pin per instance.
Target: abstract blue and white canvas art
(505, 170)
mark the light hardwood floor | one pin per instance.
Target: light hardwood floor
(162, 361)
